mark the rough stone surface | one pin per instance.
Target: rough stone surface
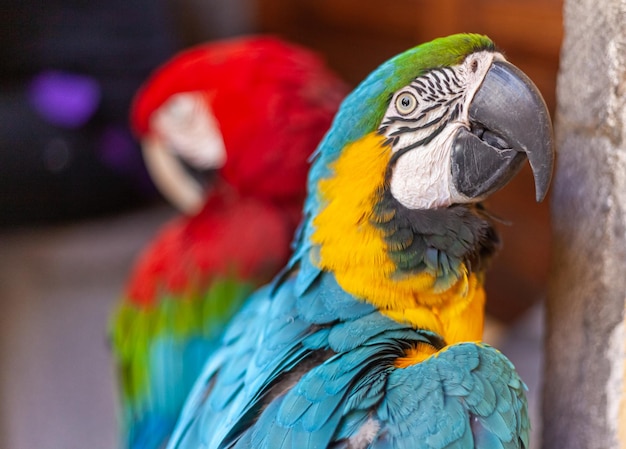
(584, 385)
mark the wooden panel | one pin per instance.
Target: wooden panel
(531, 27)
(529, 31)
(396, 18)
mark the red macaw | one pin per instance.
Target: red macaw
(248, 112)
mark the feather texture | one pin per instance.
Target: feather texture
(272, 102)
(367, 339)
(462, 395)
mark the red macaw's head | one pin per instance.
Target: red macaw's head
(254, 108)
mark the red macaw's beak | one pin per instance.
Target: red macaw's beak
(184, 146)
(184, 74)
(171, 177)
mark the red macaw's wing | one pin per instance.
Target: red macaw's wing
(183, 292)
(273, 102)
(231, 237)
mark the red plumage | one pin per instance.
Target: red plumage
(231, 236)
(273, 102)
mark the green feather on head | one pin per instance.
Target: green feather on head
(374, 92)
(403, 68)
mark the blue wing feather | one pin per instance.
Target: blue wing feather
(283, 381)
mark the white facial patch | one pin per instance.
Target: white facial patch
(422, 180)
(424, 134)
(187, 125)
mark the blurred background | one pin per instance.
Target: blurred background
(76, 204)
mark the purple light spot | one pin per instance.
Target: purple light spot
(64, 99)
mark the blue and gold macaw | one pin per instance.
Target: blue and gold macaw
(370, 338)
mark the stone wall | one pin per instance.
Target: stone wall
(584, 396)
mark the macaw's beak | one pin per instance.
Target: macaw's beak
(174, 179)
(509, 123)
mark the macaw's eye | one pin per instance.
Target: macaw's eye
(406, 103)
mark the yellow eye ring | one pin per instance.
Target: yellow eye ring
(406, 103)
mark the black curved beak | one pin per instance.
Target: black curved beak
(509, 123)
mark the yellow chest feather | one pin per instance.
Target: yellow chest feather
(355, 251)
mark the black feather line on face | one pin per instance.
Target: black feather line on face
(435, 239)
(408, 129)
(425, 141)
